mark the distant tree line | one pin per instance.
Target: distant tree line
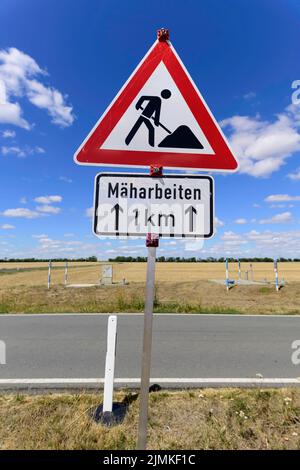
(143, 259)
(178, 259)
(90, 259)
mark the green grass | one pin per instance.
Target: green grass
(266, 290)
(173, 307)
(119, 305)
(57, 300)
(5, 307)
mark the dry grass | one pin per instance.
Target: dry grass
(189, 297)
(197, 419)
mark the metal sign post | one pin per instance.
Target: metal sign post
(152, 243)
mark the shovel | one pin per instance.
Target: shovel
(160, 124)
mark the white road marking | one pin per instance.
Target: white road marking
(128, 314)
(160, 380)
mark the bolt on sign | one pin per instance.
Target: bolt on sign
(171, 206)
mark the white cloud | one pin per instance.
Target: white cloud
(48, 209)
(282, 218)
(231, 236)
(23, 200)
(47, 246)
(21, 152)
(240, 221)
(294, 176)
(274, 243)
(40, 211)
(249, 96)
(231, 244)
(219, 223)
(18, 72)
(66, 179)
(89, 212)
(8, 134)
(194, 245)
(231, 239)
(7, 227)
(13, 150)
(48, 199)
(255, 243)
(42, 235)
(262, 147)
(278, 206)
(11, 113)
(21, 212)
(52, 100)
(281, 198)
(256, 205)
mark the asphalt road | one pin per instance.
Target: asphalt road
(69, 350)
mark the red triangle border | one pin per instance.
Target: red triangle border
(90, 154)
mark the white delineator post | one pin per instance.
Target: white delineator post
(49, 274)
(276, 274)
(110, 364)
(227, 275)
(66, 273)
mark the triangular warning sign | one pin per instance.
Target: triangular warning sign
(158, 117)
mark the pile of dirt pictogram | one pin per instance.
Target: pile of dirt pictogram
(182, 137)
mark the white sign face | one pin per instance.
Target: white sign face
(170, 206)
(176, 129)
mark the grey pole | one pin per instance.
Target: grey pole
(66, 273)
(49, 274)
(147, 343)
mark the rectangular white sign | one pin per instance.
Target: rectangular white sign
(170, 206)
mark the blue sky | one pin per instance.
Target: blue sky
(61, 64)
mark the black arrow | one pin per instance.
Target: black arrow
(136, 216)
(117, 208)
(191, 211)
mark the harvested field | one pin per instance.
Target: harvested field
(36, 273)
(180, 287)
